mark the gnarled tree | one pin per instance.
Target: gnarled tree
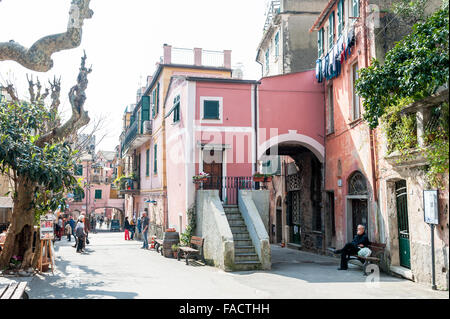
(38, 56)
(35, 155)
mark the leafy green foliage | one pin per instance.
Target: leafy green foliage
(410, 10)
(414, 68)
(185, 237)
(49, 168)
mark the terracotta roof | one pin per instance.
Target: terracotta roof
(322, 15)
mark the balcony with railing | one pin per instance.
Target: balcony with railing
(406, 149)
(135, 135)
(273, 9)
(197, 57)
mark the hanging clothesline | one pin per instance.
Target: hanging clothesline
(329, 66)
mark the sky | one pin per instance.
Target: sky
(124, 41)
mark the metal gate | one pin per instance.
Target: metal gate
(403, 227)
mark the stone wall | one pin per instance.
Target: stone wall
(212, 225)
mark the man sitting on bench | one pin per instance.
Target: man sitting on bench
(361, 240)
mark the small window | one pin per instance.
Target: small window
(320, 41)
(267, 60)
(155, 159)
(211, 110)
(340, 16)
(356, 100)
(355, 8)
(147, 163)
(277, 44)
(176, 109)
(330, 115)
(98, 194)
(78, 170)
(331, 31)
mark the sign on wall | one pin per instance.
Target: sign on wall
(46, 229)
(430, 206)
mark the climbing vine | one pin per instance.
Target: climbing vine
(413, 70)
(186, 236)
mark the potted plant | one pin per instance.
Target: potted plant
(175, 250)
(202, 177)
(258, 177)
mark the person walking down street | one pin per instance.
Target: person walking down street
(361, 240)
(93, 225)
(108, 221)
(81, 235)
(139, 226)
(145, 224)
(68, 231)
(132, 229)
(72, 224)
(126, 227)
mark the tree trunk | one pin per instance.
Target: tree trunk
(19, 237)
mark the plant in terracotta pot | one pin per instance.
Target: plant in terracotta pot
(258, 177)
(201, 177)
(175, 250)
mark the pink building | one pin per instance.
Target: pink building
(233, 128)
(100, 194)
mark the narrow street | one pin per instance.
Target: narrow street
(114, 268)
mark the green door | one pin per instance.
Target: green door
(403, 228)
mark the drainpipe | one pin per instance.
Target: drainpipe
(372, 133)
(255, 96)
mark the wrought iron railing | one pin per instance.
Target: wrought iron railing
(228, 186)
(272, 11)
(130, 134)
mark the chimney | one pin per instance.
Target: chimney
(198, 56)
(167, 54)
(227, 59)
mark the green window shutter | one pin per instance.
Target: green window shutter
(98, 194)
(331, 30)
(211, 110)
(277, 44)
(155, 159)
(176, 109)
(79, 170)
(157, 99)
(356, 8)
(147, 163)
(153, 104)
(267, 59)
(320, 42)
(145, 111)
(340, 14)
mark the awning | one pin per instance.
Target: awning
(6, 202)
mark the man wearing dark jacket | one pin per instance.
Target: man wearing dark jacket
(361, 240)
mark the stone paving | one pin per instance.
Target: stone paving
(115, 268)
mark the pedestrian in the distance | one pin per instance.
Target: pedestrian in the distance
(81, 234)
(132, 229)
(145, 223)
(68, 231)
(126, 227)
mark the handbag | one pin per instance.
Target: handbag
(87, 241)
(364, 252)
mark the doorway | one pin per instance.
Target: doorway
(403, 225)
(279, 226)
(359, 214)
(213, 165)
(357, 204)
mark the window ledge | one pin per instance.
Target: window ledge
(330, 133)
(356, 122)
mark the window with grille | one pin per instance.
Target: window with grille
(98, 194)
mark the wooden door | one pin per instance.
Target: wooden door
(359, 215)
(215, 181)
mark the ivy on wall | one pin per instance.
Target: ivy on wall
(413, 70)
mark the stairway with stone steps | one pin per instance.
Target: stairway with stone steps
(245, 256)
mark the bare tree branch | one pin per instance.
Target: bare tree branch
(38, 57)
(79, 118)
(12, 92)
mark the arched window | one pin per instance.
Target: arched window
(357, 184)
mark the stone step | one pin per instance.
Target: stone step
(238, 228)
(233, 215)
(242, 242)
(242, 235)
(244, 249)
(236, 222)
(247, 265)
(246, 257)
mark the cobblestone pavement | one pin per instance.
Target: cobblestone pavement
(115, 268)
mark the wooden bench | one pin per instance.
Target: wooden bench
(375, 257)
(158, 245)
(14, 291)
(188, 252)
